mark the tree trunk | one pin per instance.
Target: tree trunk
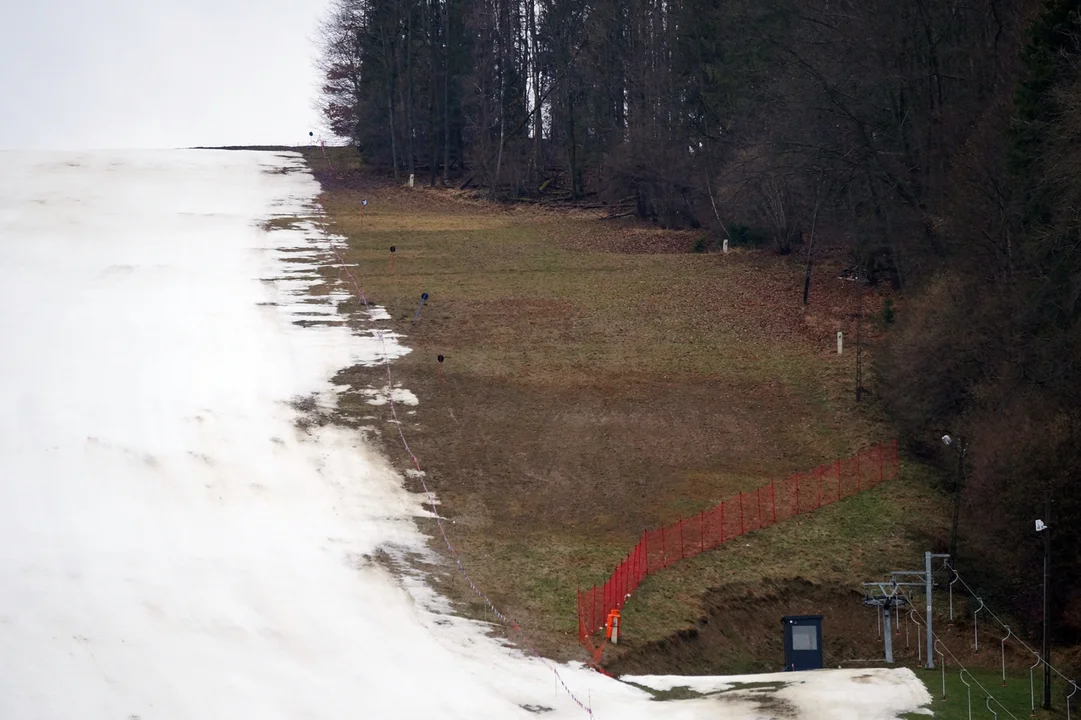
(433, 158)
(446, 90)
(410, 111)
(534, 167)
(501, 54)
(389, 64)
(810, 258)
(572, 146)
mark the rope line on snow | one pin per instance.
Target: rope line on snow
(508, 622)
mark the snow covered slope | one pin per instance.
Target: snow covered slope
(173, 544)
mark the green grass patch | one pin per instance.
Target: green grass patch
(1012, 700)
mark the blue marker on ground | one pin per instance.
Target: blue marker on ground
(423, 299)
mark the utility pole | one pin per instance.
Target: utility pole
(928, 587)
(1046, 603)
(859, 344)
(961, 447)
(858, 279)
(957, 500)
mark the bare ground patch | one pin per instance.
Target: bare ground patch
(590, 392)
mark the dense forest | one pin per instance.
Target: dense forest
(937, 142)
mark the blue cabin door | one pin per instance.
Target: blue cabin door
(803, 644)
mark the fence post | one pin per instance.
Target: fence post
(638, 574)
(624, 576)
(643, 565)
(578, 595)
(701, 532)
(643, 562)
(645, 552)
(773, 501)
(664, 550)
(626, 581)
(593, 624)
(741, 513)
(797, 494)
(681, 553)
(722, 521)
(638, 561)
(838, 479)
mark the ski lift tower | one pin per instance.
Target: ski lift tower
(887, 601)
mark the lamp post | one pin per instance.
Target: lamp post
(961, 447)
(858, 279)
(859, 343)
(1044, 526)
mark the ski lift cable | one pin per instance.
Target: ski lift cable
(964, 670)
(990, 612)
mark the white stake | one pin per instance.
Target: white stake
(975, 624)
(968, 692)
(1031, 690)
(1008, 633)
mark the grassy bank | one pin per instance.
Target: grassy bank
(599, 379)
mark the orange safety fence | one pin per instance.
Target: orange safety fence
(747, 511)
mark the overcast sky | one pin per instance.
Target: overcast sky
(78, 74)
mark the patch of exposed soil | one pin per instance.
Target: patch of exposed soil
(741, 632)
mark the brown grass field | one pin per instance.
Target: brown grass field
(601, 379)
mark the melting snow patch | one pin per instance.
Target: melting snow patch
(856, 694)
(401, 396)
